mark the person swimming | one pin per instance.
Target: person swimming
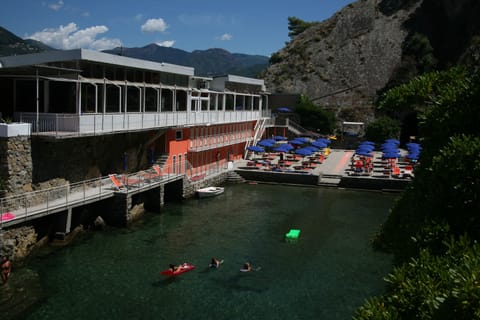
(174, 268)
(246, 267)
(214, 263)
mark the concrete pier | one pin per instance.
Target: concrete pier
(335, 171)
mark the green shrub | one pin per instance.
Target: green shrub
(382, 128)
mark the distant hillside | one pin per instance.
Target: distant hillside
(346, 61)
(206, 62)
(10, 44)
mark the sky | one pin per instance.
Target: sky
(256, 27)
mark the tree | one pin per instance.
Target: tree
(315, 118)
(297, 26)
(382, 128)
(433, 228)
(432, 286)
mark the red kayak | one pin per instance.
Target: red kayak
(181, 269)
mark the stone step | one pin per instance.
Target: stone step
(233, 177)
(329, 181)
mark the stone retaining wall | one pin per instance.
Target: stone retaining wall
(17, 243)
(279, 177)
(373, 183)
(15, 165)
(190, 188)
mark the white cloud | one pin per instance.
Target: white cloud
(226, 37)
(70, 37)
(167, 43)
(56, 6)
(154, 25)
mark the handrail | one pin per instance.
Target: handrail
(51, 200)
(59, 124)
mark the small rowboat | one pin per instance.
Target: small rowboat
(210, 192)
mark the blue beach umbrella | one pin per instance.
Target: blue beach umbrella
(313, 148)
(303, 152)
(279, 138)
(283, 148)
(326, 140)
(319, 144)
(368, 142)
(392, 155)
(297, 142)
(266, 143)
(284, 109)
(304, 139)
(366, 147)
(280, 149)
(364, 153)
(394, 141)
(269, 140)
(256, 149)
(287, 146)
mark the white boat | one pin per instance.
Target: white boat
(210, 192)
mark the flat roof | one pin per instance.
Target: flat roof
(93, 56)
(240, 79)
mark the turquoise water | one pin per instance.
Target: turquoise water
(326, 274)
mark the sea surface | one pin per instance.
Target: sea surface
(115, 274)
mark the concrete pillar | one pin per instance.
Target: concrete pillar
(63, 224)
(154, 199)
(117, 213)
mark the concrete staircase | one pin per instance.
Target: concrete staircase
(329, 180)
(161, 160)
(233, 177)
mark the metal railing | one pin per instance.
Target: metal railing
(30, 205)
(39, 203)
(102, 123)
(51, 200)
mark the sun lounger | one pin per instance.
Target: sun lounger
(124, 183)
(118, 185)
(408, 171)
(157, 173)
(396, 172)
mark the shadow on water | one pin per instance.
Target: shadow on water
(166, 282)
(233, 284)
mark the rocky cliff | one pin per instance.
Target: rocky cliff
(343, 63)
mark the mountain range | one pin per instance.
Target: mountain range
(10, 44)
(209, 62)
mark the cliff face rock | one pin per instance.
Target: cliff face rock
(343, 63)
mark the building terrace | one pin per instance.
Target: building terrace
(82, 92)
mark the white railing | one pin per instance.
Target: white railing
(98, 123)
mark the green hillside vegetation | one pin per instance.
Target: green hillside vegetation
(10, 44)
(434, 227)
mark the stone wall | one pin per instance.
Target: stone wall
(15, 165)
(18, 243)
(82, 158)
(279, 177)
(190, 188)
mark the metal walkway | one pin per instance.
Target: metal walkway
(32, 205)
